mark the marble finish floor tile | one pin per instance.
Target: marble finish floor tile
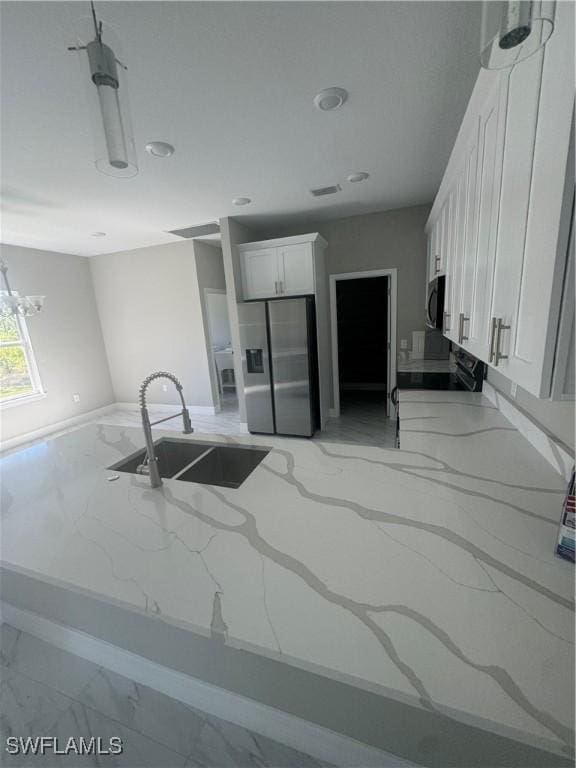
(139, 751)
(224, 745)
(156, 730)
(145, 710)
(43, 662)
(206, 740)
(362, 421)
(26, 706)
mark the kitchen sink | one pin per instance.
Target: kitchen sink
(195, 462)
(225, 465)
(172, 454)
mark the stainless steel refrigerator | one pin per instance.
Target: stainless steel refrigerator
(280, 366)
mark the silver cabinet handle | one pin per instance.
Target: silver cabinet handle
(446, 316)
(499, 328)
(436, 267)
(493, 339)
(281, 284)
(276, 286)
(463, 319)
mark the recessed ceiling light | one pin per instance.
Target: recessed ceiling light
(359, 176)
(330, 98)
(242, 201)
(98, 234)
(159, 149)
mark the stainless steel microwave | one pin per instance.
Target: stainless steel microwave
(435, 302)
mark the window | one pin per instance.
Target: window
(19, 377)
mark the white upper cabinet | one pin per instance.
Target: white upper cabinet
(491, 124)
(260, 274)
(500, 218)
(274, 268)
(296, 265)
(535, 211)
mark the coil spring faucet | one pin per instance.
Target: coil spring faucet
(150, 466)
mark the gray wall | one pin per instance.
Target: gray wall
(66, 338)
(556, 417)
(377, 241)
(210, 274)
(151, 314)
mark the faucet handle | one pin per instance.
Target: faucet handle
(188, 428)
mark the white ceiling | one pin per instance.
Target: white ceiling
(231, 86)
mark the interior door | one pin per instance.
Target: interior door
(288, 322)
(296, 272)
(260, 273)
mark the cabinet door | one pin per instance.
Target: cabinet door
(491, 124)
(435, 243)
(454, 295)
(260, 273)
(449, 259)
(444, 244)
(528, 268)
(469, 223)
(296, 269)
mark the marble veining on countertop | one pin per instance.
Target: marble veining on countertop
(427, 573)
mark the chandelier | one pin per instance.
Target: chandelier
(12, 304)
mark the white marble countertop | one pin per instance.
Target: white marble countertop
(427, 573)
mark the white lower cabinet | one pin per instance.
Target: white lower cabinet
(503, 211)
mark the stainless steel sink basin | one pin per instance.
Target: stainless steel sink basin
(195, 462)
(225, 465)
(172, 454)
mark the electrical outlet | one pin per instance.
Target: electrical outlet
(513, 389)
(403, 343)
(76, 397)
(164, 387)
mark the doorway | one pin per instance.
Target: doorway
(363, 318)
(220, 349)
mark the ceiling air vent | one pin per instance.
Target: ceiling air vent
(199, 230)
(325, 190)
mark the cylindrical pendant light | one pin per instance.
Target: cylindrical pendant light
(104, 71)
(512, 30)
(108, 107)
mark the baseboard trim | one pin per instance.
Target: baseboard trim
(554, 451)
(29, 437)
(206, 410)
(321, 743)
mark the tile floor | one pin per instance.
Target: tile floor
(45, 691)
(362, 421)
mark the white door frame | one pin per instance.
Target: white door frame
(392, 275)
(211, 361)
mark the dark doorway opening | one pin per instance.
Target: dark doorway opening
(362, 321)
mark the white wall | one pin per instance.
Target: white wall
(66, 338)
(151, 314)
